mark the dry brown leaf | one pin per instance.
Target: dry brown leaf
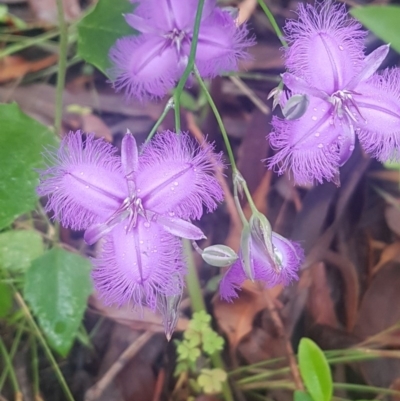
(14, 67)
(236, 318)
(320, 304)
(390, 253)
(379, 310)
(144, 319)
(392, 215)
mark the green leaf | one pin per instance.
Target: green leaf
(301, 396)
(99, 30)
(210, 380)
(19, 248)
(57, 286)
(6, 299)
(21, 145)
(383, 21)
(315, 370)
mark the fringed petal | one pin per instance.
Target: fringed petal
(83, 181)
(135, 267)
(309, 147)
(232, 282)
(378, 127)
(326, 48)
(176, 176)
(145, 66)
(221, 44)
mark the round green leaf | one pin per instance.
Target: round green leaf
(21, 145)
(315, 370)
(99, 30)
(19, 248)
(57, 286)
(383, 21)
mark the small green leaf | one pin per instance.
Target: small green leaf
(315, 370)
(186, 351)
(21, 145)
(210, 380)
(212, 342)
(57, 286)
(188, 101)
(383, 21)
(200, 320)
(301, 396)
(19, 248)
(99, 30)
(6, 299)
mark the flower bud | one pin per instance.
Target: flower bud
(295, 107)
(219, 255)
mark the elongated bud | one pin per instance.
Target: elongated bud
(219, 255)
(295, 107)
(261, 236)
(246, 252)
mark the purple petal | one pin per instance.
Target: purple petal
(145, 66)
(138, 266)
(379, 104)
(326, 49)
(371, 63)
(129, 160)
(290, 256)
(232, 282)
(347, 144)
(308, 147)
(156, 12)
(179, 227)
(142, 25)
(177, 176)
(299, 85)
(84, 181)
(221, 44)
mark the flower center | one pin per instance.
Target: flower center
(345, 105)
(133, 207)
(176, 36)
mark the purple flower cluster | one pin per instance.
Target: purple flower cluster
(138, 204)
(150, 64)
(347, 97)
(287, 259)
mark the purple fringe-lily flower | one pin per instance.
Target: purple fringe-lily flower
(288, 257)
(139, 205)
(326, 62)
(149, 65)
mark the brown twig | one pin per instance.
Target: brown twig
(276, 318)
(95, 391)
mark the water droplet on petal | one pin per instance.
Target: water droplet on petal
(351, 148)
(341, 47)
(339, 137)
(140, 242)
(320, 145)
(176, 183)
(147, 224)
(172, 214)
(81, 172)
(315, 109)
(314, 118)
(317, 134)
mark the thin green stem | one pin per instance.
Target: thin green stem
(13, 350)
(189, 66)
(53, 362)
(28, 43)
(167, 108)
(219, 120)
(62, 66)
(272, 21)
(192, 280)
(35, 368)
(365, 389)
(197, 301)
(10, 367)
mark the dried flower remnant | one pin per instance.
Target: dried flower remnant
(326, 62)
(140, 205)
(288, 257)
(150, 64)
